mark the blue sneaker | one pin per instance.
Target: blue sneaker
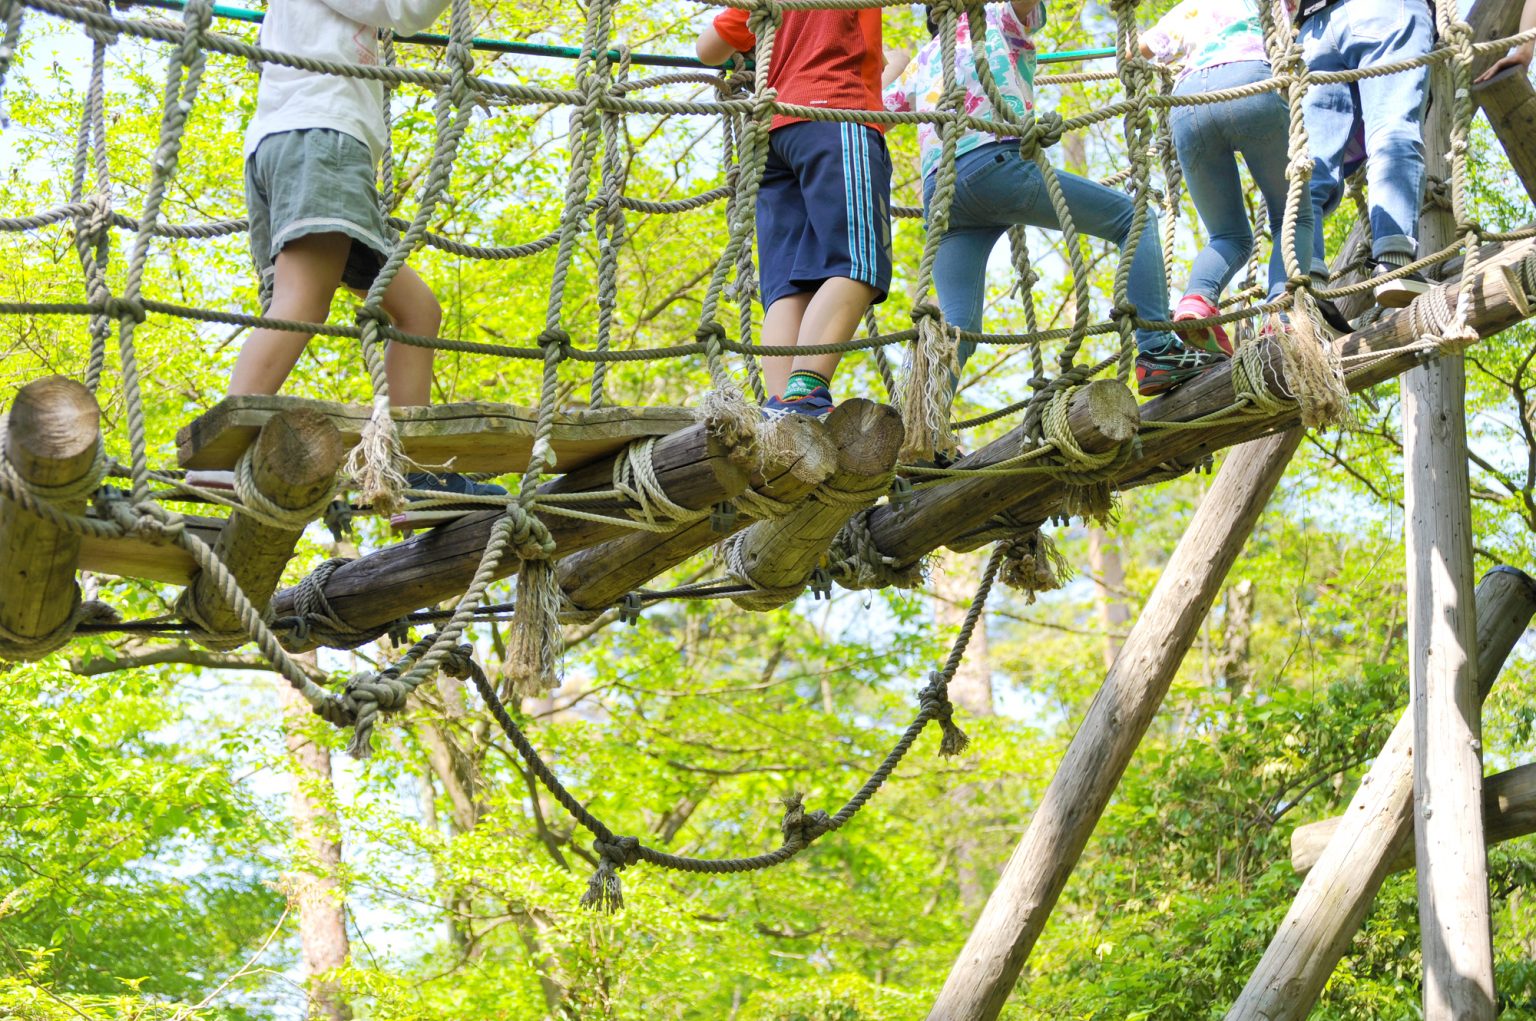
(817, 404)
(448, 484)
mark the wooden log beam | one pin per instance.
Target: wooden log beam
(982, 978)
(1510, 103)
(52, 435)
(782, 553)
(1376, 828)
(293, 464)
(1509, 811)
(1455, 918)
(697, 467)
(939, 514)
(593, 578)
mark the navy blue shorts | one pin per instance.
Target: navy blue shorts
(824, 209)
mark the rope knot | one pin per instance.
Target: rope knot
(556, 343)
(800, 827)
(605, 892)
(933, 701)
(365, 697)
(529, 536)
(1049, 127)
(126, 308)
(926, 310)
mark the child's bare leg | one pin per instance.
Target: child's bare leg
(831, 317)
(308, 271)
(412, 307)
(781, 328)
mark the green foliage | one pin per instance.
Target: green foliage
(147, 852)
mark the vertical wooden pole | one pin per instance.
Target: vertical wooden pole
(53, 431)
(1378, 824)
(1455, 929)
(984, 974)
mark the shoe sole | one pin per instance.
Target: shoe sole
(1397, 293)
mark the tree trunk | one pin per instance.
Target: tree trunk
(1108, 590)
(314, 885)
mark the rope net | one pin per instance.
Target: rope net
(578, 339)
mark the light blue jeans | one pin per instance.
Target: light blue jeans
(1376, 119)
(997, 188)
(1209, 138)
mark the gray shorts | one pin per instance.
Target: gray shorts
(315, 181)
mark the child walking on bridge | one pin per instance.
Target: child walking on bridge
(997, 187)
(823, 208)
(311, 157)
(1220, 44)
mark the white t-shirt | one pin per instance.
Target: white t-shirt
(346, 31)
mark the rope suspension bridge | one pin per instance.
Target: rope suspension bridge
(609, 497)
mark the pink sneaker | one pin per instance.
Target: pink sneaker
(1207, 338)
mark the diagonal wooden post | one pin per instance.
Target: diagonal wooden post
(1376, 827)
(983, 976)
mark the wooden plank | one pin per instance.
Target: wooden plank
(597, 577)
(1375, 828)
(52, 436)
(135, 557)
(783, 553)
(467, 437)
(984, 974)
(294, 465)
(697, 467)
(1509, 811)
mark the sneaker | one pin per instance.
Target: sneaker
(449, 484)
(1333, 319)
(1160, 371)
(1398, 293)
(1207, 338)
(817, 404)
(223, 481)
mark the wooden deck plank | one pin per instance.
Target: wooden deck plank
(475, 436)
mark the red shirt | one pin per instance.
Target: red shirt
(820, 58)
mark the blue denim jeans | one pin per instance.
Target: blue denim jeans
(1380, 120)
(997, 188)
(1209, 138)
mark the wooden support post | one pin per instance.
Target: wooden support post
(782, 553)
(1509, 811)
(1454, 915)
(294, 464)
(1455, 925)
(697, 467)
(1375, 829)
(597, 577)
(53, 433)
(985, 973)
(1510, 103)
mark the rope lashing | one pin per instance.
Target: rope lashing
(855, 561)
(318, 621)
(22, 648)
(1032, 563)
